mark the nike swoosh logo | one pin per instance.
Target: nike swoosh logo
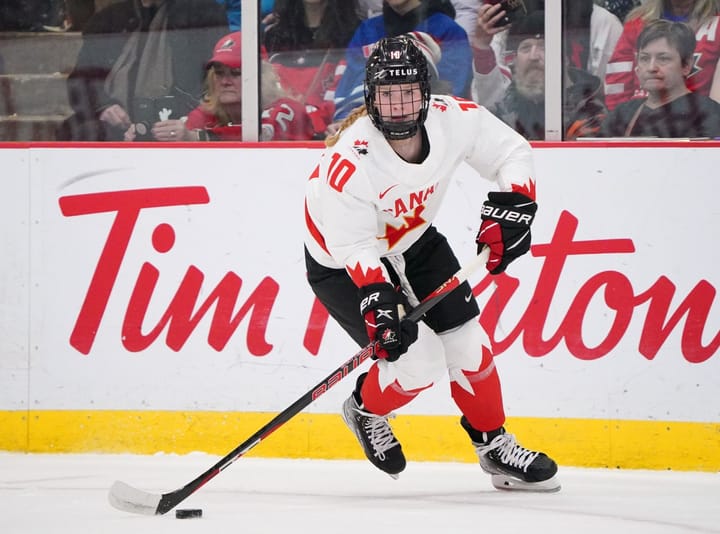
(468, 298)
(381, 195)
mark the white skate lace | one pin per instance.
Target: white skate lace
(511, 453)
(380, 433)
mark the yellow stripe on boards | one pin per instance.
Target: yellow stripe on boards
(573, 442)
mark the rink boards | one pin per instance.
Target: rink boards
(154, 299)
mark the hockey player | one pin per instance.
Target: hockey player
(370, 205)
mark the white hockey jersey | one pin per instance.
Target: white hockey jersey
(364, 202)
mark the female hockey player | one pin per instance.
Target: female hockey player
(370, 205)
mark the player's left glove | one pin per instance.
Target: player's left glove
(505, 228)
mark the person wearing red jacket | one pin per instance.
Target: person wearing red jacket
(219, 116)
(703, 16)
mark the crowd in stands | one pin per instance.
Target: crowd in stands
(171, 70)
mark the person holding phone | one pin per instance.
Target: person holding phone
(522, 106)
(589, 30)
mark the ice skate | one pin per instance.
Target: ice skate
(376, 437)
(512, 466)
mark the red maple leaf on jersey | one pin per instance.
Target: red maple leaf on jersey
(393, 235)
(526, 189)
(362, 278)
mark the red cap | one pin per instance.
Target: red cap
(227, 51)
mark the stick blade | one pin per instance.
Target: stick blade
(128, 499)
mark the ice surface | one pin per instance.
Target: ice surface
(67, 494)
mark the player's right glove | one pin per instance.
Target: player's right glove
(381, 307)
(505, 228)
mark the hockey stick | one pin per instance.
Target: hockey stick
(129, 499)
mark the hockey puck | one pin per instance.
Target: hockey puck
(188, 513)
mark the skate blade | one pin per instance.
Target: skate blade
(506, 483)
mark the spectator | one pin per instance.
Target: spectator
(665, 52)
(311, 24)
(590, 34)
(306, 44)
(523, 106)
(433, 17)
(219, 117)
(621, 84)
(135, 52)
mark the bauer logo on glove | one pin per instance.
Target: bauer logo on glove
(503, 214)
(505, 228)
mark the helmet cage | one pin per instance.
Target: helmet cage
(396, 60)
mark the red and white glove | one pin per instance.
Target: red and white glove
(505, 228)
(381, 307)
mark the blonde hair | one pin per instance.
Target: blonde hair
(355, 114)
(270, 91)
(653, 10)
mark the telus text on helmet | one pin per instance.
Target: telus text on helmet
(396, 73)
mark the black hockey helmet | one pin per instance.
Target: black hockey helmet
(396, 60)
